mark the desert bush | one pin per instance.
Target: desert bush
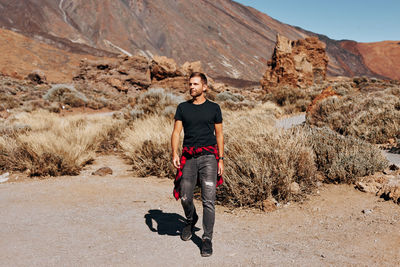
(8, 102)
(229, 96)
(374, 117)
(265, 164)
(147, 146)
(53, 145)
(293, 99)
(231, 101)
(66, 94)
(343, 158)
(155, 101)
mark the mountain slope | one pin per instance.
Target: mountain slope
(230, 39)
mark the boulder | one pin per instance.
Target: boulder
(189, 67)
(163, 68)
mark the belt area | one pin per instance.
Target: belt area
(203, 153)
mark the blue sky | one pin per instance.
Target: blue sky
(359, 20)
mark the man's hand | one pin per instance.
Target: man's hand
(220, 167)
(176, 161)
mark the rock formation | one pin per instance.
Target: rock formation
(136, 73)
(298, 63)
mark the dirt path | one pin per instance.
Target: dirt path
(119, 220)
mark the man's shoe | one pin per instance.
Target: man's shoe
(187, 231)
(206, 248)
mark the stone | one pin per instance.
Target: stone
(163, 67)
(37, 77)
(294, 188)
(103, 171)
(117, 84)
(298, 63)
(189, 67)
(372, 183)
(367, 211)
(269, 204)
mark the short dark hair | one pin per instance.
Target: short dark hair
(199, 74)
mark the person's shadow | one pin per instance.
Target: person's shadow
(169, 224)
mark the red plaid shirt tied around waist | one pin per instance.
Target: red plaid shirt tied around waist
(189, 152)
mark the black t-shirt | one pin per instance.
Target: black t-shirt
(198, 122)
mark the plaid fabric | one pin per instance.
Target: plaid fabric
(189, 152)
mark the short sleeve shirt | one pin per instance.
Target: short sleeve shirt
(198, 122)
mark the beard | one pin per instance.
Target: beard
(196, 93)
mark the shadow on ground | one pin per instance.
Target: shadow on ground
(168, 224)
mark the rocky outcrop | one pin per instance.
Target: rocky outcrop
(135, 73)
(298, 63)
(385, 185)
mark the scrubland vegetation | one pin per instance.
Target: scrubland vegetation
(372, 116)
(262, 162)
(43, 143)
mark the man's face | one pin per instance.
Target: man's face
(196, 87)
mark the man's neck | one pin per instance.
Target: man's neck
(199, 100)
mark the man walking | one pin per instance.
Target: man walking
(202, 157)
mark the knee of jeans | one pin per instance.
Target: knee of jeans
(186, 200)
(208, 203)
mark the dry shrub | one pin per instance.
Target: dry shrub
(66, 94)
(232, 101)
(53, 145)
(374, 117)
(343, 158)
(293, 99)
(262, 165)
(156, 101)
(147, 146)
(262, 161)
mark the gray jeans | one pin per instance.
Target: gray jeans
(205, 169)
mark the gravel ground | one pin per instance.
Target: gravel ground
(120, 220)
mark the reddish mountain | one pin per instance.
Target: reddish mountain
(230, 39)
(22, 55)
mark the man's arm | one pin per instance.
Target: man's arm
(175, 142)
(220, 143)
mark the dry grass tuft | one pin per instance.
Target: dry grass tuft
(53, 145)
(147, 146)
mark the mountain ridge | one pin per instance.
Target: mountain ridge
(230, 39)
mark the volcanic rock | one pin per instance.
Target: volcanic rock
(103, 171)
(163, 67)
(37, 77)
(298, 63)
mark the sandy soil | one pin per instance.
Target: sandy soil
(119, 220)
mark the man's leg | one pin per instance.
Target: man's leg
(188, 183)
(208, 168)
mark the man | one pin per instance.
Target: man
(202, 157)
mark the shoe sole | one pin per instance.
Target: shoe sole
(206, 254)
(187, 238)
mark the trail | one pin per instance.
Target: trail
(121, 220)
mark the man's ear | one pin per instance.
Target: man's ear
(205, 87)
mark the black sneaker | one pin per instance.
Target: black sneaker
(206, 248)
(187, 231)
